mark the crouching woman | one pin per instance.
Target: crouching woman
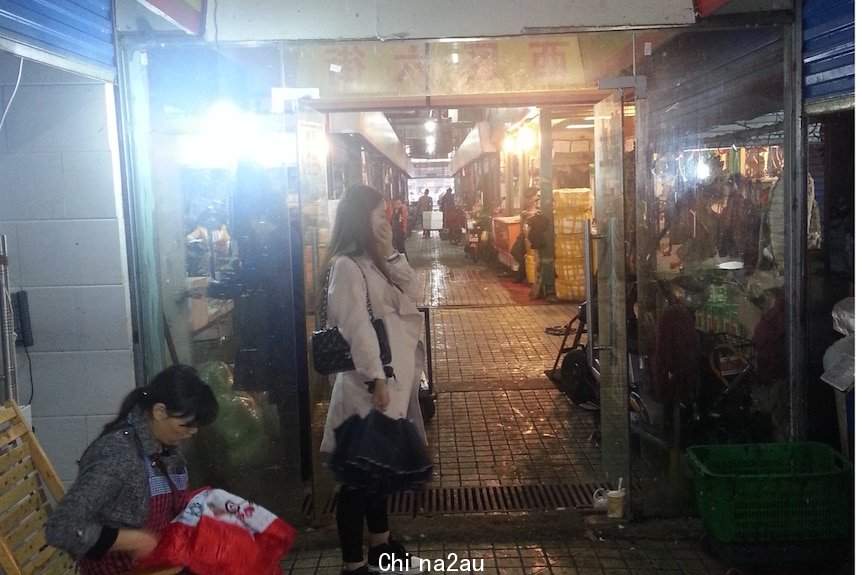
(132, 480)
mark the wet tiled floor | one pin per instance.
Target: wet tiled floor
(540, 558)
(501, 422)
(510, 437)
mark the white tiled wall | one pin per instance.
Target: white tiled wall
(60, 209)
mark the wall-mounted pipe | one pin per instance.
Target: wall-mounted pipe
(7, 327)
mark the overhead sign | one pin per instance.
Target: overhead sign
(347, 70)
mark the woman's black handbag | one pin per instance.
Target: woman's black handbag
(330, 352)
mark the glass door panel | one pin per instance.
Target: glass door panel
(611, 288)
(316, 215)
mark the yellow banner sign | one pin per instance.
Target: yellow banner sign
(414, 68)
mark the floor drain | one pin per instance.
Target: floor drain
(491, 499)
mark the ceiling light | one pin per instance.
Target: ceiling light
(526, 138)
(509, 144)
(454, 57)
(578, 126)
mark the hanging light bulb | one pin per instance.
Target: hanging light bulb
(526, 139)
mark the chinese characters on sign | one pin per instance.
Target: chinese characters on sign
(411, 68)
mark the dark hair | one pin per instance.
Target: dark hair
(352, 234)
(181, 390)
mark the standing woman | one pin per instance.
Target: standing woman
(396, 214)
(132, 480)
(361, 254)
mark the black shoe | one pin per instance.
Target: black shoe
(392, 557)
(359, 571)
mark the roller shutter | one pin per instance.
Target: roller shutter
(827, 49)
(76, 35)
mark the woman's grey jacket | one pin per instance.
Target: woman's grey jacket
(111, 491)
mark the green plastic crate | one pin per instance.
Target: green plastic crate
(771, 492)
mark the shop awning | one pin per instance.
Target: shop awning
(377, 131)
(477, 142)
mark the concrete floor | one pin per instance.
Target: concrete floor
(502, 429)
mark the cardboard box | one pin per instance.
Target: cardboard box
(197, 291)
(432, 220)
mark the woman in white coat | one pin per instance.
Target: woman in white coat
(361, 254)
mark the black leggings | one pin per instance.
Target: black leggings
(353, 506)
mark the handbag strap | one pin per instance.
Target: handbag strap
(324, 304)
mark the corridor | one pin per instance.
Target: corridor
(514, 467)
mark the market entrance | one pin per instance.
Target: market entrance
(283, 191)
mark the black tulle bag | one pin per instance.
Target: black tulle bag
(379, 454)
(330, 352)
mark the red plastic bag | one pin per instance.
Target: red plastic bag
(222, 534)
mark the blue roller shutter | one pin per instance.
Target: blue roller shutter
(75, 32)
(828, 45)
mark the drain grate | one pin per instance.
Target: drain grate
(490, 499)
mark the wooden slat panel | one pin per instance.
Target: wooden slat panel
(58, 564)
(25, 480)
(37, 564)
(6, 413)
(7, 560)
(30, 548)
(14, 457)
(16, 474)
(12, 434)
(13, 516)
(43, 464)
(31, 525)
(20, 491)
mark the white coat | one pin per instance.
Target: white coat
(404, 326)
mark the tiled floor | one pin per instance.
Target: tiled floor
(501, 347)
(501, 422)
(541, 558)
(510, 437)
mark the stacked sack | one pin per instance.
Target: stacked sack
(571, 207)
(530, 267)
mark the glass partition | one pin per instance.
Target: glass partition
(227, 178)
(708, 308)
(611, 289)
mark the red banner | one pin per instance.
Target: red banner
(187, 14)
(706, 7)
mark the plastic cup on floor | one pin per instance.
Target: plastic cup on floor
(616, 503)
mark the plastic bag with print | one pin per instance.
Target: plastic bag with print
(222, 534)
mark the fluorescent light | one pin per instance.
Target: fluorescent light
(579, 126)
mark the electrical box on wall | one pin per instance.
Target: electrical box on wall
(21, 315)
